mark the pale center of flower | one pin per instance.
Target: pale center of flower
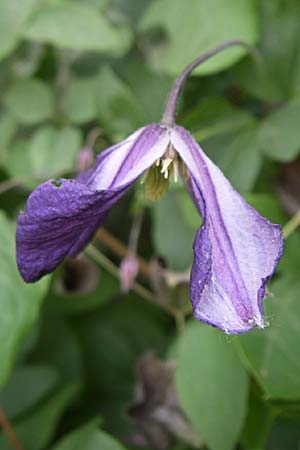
(169, 163)
(156, 179)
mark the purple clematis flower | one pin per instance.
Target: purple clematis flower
(236, 250)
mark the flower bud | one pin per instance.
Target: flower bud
(129, 269)
(85, 159)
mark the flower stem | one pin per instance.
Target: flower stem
(9, 431)
(108, 265)
(168, 118)
(115, 245)
(291, 225)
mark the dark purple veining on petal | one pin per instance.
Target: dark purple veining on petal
(61, 217)
(227, 282)
(217, 227)
(149, 136)
(131, 159)
(59, 221)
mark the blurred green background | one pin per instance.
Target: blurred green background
(82, 366)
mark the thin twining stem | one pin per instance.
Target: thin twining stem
(120, 249)
(9, 431)
(110, 267)
(168, 118)
(291, 225)
(134, 234)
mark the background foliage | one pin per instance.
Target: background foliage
(75, 367)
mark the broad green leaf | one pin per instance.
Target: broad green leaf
(90, 438)
(258, 422)
(118, 108)
(79, 102)
(113, 338)
(131, 9)
(284, 435)
(240, 158)
(212, 385)
(273, 354)
(100, 4)
(19, 302)
(17, 162)
(8, 127)
(214, 116)
(280, 133)
(50, 152)
(290, 262)
(146, 86)
(279, 46)
(27, 386)
(199, 25)
(67, 358)
(77, 26)
(188, 209)
(54, 150)
(30, 101)
(36, 429)
(13, 16)
(229, 136)
(173, 236)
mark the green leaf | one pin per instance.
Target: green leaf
(8, 127)
(54, 150)
(280, 49)
(284, 435)
(272, 354)
(50, 152)
(99, 4)
(199, 25)
(188, 209)
(13, 16)
(90, 438)
(229, 136)
(259, 420)
(212, 385)
(146, 86)
(77, 26)
(112, 341)
(67, 358)
(290, 261)
(19, 302)
(30, 101)
(240, 158)
(36, 430)
(214, 116)
(118, 108)
(280, 133)
(27, 386)
(172, 234)
(79, 102)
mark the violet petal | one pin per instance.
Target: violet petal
(62, 216)
(236, 250)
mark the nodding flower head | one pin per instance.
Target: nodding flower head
(236, 250)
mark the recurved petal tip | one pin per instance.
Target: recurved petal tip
(60, 218)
